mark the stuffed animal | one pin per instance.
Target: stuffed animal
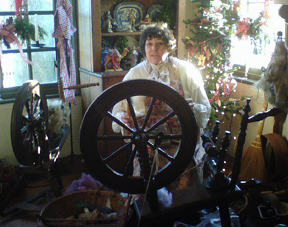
(274, 79)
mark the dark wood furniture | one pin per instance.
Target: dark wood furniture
(199, 197)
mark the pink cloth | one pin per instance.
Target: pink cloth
(64, 31)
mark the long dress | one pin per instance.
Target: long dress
(187, 80)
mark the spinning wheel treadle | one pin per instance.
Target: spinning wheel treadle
(97, 137)
(29, 116)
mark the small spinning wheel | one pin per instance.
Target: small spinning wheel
(28, 122)
(114, 166)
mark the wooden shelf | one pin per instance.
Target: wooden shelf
(121, 33)
(104, 74)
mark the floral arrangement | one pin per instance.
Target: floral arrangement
(252, 28)
(11, 29)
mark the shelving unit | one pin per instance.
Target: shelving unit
(138, 33)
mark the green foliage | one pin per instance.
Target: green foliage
(167, 14)
(26, 30)
(121, 44)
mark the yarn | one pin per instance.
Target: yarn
(86, 182)
(274, 79)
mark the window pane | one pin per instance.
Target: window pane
(43, 5)
(7, 5)
(33, 5)
(44, 67)
(15, 70)
(47, 23)
(254, 10)
(255, 54)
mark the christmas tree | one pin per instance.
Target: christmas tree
(209, 47)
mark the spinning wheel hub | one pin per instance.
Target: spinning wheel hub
(139, 136)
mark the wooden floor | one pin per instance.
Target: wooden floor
(70, 170)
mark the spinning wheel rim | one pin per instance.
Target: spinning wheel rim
(20, 124)
(94, 116)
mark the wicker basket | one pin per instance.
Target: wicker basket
(58, 211)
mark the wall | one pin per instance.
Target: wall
(185, 11)
(6, 151)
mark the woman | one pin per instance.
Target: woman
(156, 44)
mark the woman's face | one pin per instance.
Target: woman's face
(156, 50)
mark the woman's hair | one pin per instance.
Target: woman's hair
(157, 31)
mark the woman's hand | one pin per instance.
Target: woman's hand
(190, 102)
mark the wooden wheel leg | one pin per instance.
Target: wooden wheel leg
(225, 214)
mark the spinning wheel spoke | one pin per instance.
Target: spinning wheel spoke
(162, 121)
(39, 114)
(29, 141)
(121, 123)
(31, 105)
(148, 115)
(116, 153)
(24, 129)
(130, 162)
(113, 137)
(162, 152)
(168, 136)
(28, 108)
(37, 104)
(132, 113)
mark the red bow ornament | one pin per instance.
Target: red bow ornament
(7, 33)
(243, 27)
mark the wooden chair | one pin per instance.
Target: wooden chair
(209, 194)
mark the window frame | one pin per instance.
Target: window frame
(7, 95)
(253, 74)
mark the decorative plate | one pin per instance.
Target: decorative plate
(122, 11)
(154, 11)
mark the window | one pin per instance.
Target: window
(257, 54)
(14, 70)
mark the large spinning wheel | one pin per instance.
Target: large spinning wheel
(114, 166)
(28, 122)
